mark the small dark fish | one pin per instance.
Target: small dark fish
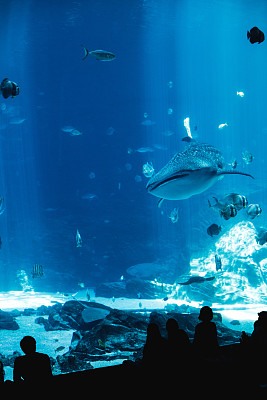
(37, 271)
(196, 279)
(253, 210)
(214, 230)
(229, 212)
(261, 237)
(255, 35)
(60, 348)
(188, 139)
(165, 298)
(100, 55)
(218, 262)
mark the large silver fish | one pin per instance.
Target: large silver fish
(190, 172)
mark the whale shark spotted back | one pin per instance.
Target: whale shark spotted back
(189, 172)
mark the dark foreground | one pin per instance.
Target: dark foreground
(232, 374)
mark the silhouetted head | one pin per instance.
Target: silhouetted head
(205, 314)
(172, 325)
(262, 320)
(28, 345)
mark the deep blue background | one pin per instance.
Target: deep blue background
(201, 47)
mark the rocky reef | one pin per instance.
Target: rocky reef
(7, 321)
(120, 335)
(241, 279)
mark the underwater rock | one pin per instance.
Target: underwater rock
(235, 322)
(7, 321)
(73, 315)
(120, 331)
(69, 363)
(43, 310)
(29, 312)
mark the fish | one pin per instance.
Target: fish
(174, 216)
(37, 271)
(148, 170)
(67, 128)
(261, 237)
(188, 139)
(240, 94)
(233, 164)
(189, 172)
(255, 35)
(78, 239)
(100, 55)
(17, 121)
(145, 150)
(196, 279)
(253, 210)
(89, 196)
(60, 348)
(238, 200)
(229, 212)
(148, 122)
(2, 205)
(75, 132)
(247, 157)
(214, 230)
(92, 314)
(218, 262)
(221, 126)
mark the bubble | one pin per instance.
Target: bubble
(138, 178)
(110, 131)
(128, 167)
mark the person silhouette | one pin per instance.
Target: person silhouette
(154, 351)
(178, 340)
(33, 367)
(2, 372)
(179, 348)
(205, 338)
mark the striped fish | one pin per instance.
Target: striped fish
(37, 271)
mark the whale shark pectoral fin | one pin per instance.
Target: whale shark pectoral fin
(234, 173)
(160, 202)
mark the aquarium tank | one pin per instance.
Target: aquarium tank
(132, 171)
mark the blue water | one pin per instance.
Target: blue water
(46, 174)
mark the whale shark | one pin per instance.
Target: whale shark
(189, 172)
